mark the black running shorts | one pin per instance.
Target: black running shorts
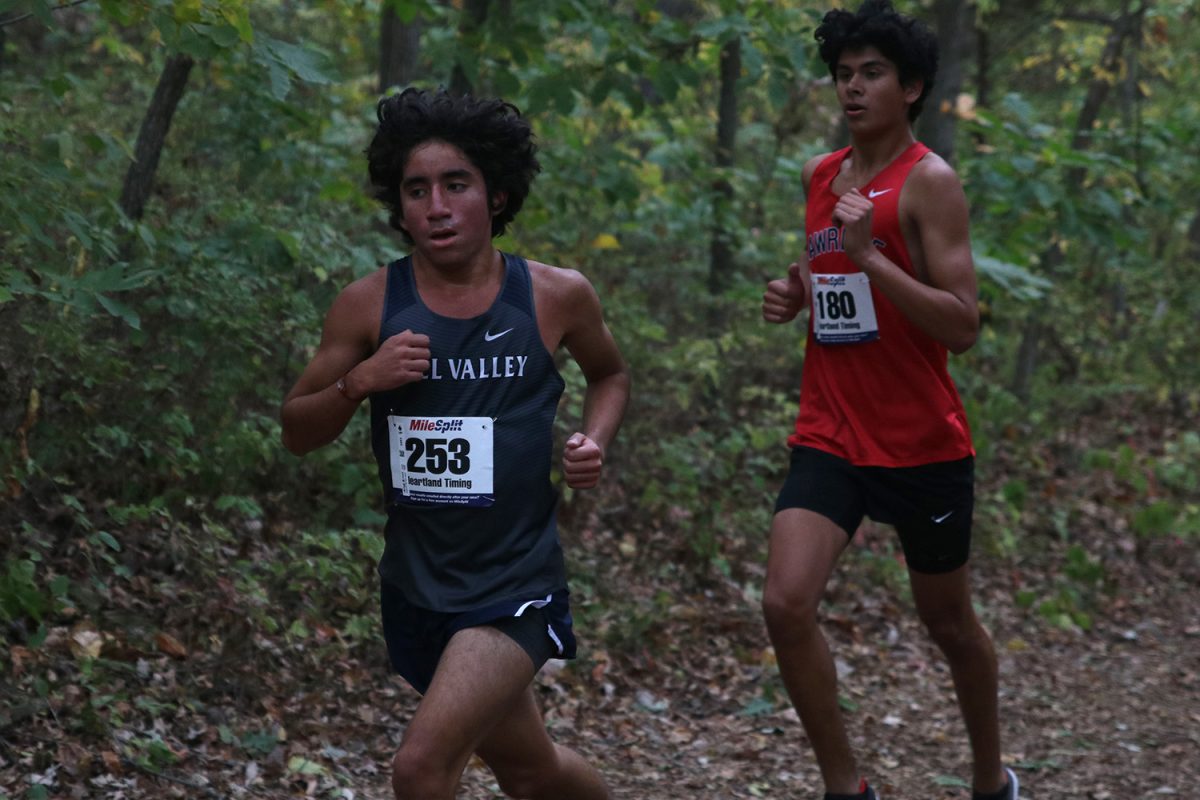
(929, 505)
(417, 636)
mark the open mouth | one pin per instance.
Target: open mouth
(442, 235)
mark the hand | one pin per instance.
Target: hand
(854, 213)
(402, 358)
(582, 460)
(786, 296)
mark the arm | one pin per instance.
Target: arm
(591, 344)
(787, 297)
(943, 303)
(315, 411)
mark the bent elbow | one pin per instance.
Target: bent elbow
(963, 342)
(289, 435)
(291, 445)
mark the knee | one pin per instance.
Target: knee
(953, 630)
(788, 614)
(522, 784)
(417, 775)
(530, 780)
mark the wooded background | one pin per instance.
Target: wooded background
(183, 192)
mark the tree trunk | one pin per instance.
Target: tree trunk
(721, 250)
(474, 15)
(938, 122)
(983, 68)
(399, 49)
(139, 180)
(1035, 328)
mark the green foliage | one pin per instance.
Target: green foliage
(1158, 488)
(329, 576)
(160, 349)
(1072, 600)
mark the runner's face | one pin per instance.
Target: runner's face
(445, 203)
(870, 93)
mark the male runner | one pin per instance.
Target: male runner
(454, 346)
(881, 431)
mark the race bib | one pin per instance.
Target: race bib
(843, 310)
(442, 461)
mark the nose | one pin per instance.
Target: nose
(437, 203)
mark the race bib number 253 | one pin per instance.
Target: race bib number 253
(442, 461)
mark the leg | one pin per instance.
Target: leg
(482, 676)
(944, 604)
(804, 547)
(530, 766)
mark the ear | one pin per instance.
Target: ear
(913, 89)
(498, 202)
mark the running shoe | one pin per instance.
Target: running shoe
(865, 792)
(1011, 790)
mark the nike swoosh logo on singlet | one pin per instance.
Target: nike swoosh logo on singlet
(491, 337)
(876, 192)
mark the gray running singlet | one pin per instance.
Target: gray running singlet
(464, 453)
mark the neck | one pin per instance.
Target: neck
(873, 153)
(461, 290)
(476, 270)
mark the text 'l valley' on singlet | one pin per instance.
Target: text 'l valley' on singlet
(464, 454)
(875, 388)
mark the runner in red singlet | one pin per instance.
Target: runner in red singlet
(881, 432)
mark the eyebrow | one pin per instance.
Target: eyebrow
(445, 176)
(875, 62)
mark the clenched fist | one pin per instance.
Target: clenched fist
(785, 297)
(582, 461)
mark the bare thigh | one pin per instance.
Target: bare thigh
(482, 676)
(804, 547)
(519, 746)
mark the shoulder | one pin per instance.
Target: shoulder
(559, 285)
(568, 306)
(367, 289)
(933, 174)
(810, 167)
(932, 190)
(359, 306)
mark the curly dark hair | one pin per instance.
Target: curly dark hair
(906, 42)
(491, 133)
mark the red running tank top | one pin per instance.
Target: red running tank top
(889, 402)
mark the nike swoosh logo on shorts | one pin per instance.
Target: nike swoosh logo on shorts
(491, 337)
(942, 518)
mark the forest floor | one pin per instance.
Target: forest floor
(675, 696)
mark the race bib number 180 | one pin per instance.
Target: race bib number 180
(843, 311)
(442, 461)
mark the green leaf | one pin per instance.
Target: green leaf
(309, 65)
(109, 541)
(1015, 279)
(303, 766)
(120, 311)
(225, 37)
(239, 18)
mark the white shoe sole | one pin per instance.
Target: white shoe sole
(1016, 784)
